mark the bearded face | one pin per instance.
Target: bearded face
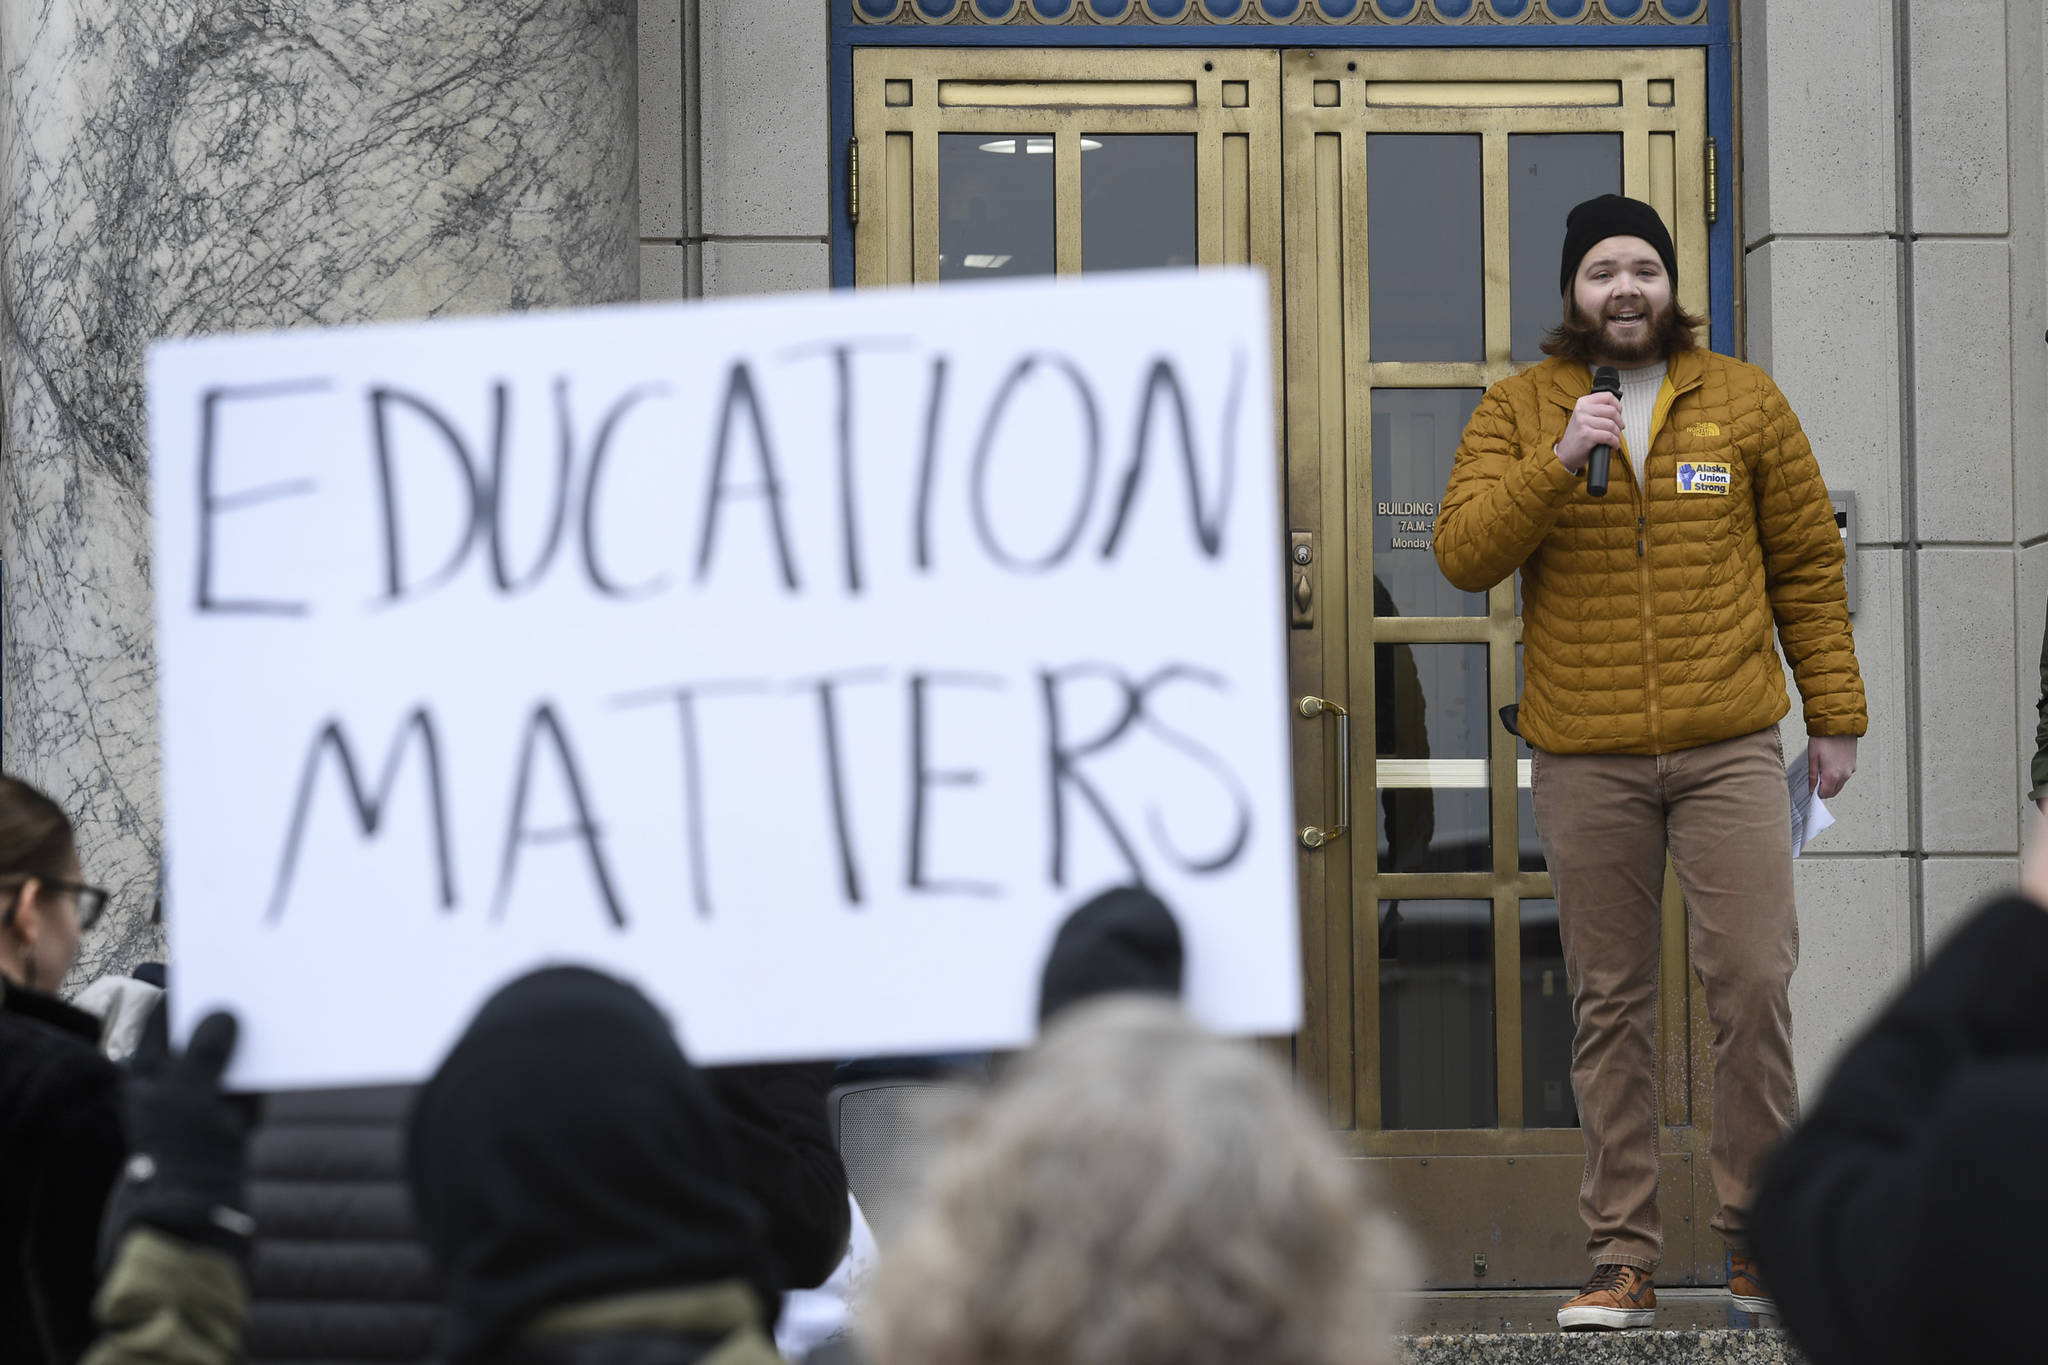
(1623, 293)
(1631, 336)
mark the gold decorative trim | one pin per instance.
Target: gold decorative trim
(1278, 13)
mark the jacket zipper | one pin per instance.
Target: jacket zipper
(1667, 399)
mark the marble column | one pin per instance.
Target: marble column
(186, 166)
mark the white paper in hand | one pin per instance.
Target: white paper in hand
(1809, 814)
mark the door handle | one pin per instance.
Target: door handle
(1313, 836)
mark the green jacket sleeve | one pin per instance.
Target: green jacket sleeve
(2041, 728)
(166, 1302)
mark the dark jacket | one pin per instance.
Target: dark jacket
(715, 1324)
(1892, 1223)
(782, 1138)
(338, 1271)
(61, 1148)
(565, 1151)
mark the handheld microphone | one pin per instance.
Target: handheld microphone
(1605, 380)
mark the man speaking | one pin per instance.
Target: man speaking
(1652, 702)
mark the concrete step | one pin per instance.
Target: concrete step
(1721, 1347)
(1520, 1328)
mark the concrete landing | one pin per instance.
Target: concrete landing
(1694, 1327)
(1723, 1347)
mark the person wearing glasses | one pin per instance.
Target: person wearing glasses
(61, 1143)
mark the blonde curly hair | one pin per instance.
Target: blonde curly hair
(1139, 1192)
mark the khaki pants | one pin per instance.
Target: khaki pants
(1606, 821)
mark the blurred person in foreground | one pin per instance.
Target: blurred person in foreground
(579, 1186)
(61, 1143)
(179, 1289)
(1124, 941)
(176, 1288)
(1138, 1192)
(579, 1190)
(348, 1259)
(1895, 1219)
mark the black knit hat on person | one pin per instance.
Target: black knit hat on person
(1123, 940)
(566, 1150)
(1612, 215)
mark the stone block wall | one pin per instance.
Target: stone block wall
(733, 148)
(1895, 243)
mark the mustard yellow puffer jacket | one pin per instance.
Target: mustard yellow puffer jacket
(1647, 615)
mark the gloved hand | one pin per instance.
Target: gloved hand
(189, 1139)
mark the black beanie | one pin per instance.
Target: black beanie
(566, 1150)
(1123, 940)
(1612, 215)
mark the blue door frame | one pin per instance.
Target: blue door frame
(1712, 35)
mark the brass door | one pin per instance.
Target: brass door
(978, 164)
(1425, 199)
(997, 162)
(987, 163)
(1421, 195)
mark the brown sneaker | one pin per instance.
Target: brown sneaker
(1746, 1287)
(1617, 1297)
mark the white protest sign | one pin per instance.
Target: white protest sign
(804, 660)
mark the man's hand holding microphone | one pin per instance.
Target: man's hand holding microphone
(1594, 431)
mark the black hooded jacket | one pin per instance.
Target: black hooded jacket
(340, 1271)
(567, 1152)
(1122, 940)
(61, 1147)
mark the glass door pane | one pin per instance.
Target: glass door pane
(1436, 1014)
(1137, 201)
(1430, 726)
(1415, 434)
(1425, 270)
(1547, 1100)
(1548, 173)
(995, 205)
